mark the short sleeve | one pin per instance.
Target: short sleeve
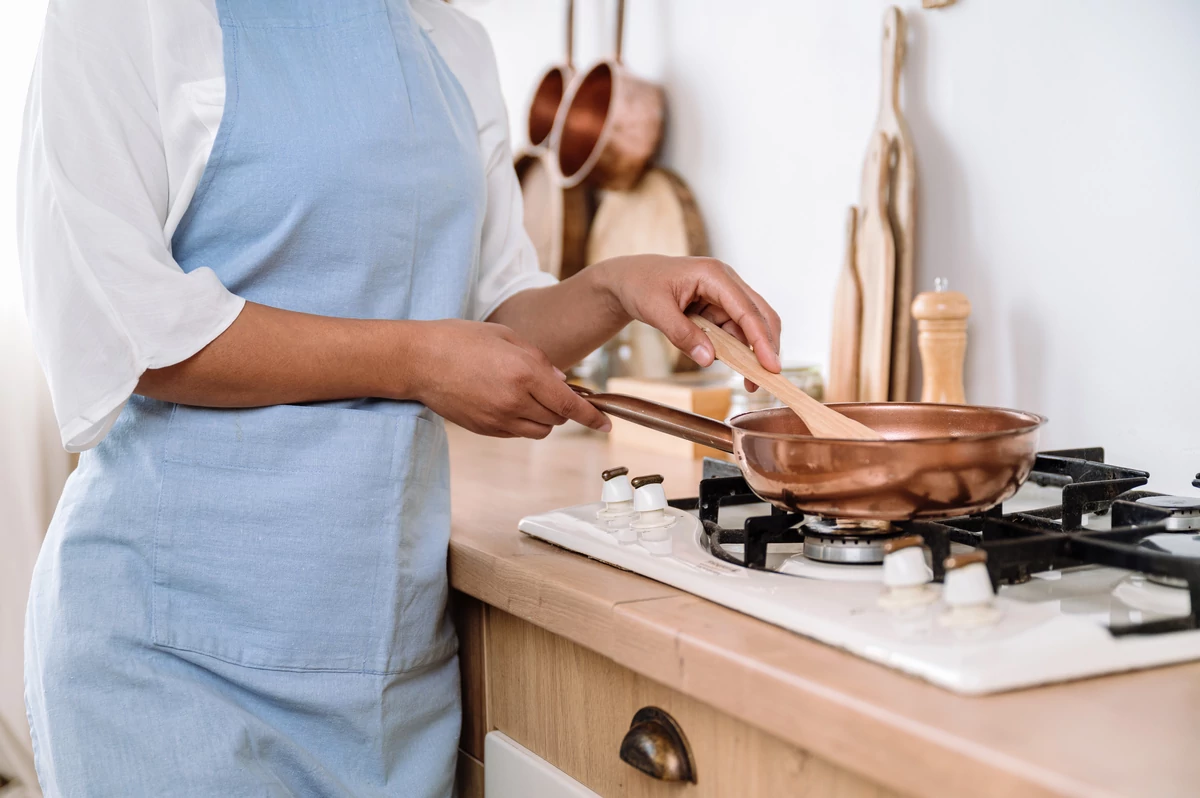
(105, 298)
(507, 259)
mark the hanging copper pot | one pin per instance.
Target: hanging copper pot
(609, 125)
(551, 88)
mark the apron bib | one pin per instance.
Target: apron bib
(268, 586)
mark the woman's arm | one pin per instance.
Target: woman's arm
(272, 356)
(479, 375)
(496, 377)
(572, 318)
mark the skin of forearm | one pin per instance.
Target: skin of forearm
(567, 320)
(271, 356)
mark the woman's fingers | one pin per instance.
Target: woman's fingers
(666, 316)
(524, 428)
(553, 401)
(556, 397)
(719, 295)
(774, 325)
(720, 286)
(538, 413)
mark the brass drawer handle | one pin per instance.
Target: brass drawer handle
(656, 746)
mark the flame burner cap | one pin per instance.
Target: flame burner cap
(1185, 510)
(847, 542)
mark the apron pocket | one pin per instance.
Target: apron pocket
(279, 532)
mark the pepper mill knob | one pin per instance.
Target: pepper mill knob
(942, 338)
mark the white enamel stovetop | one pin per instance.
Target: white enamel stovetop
(1052, 628)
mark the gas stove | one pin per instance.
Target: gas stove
(1081, 573)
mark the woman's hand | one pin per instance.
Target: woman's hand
(485, 378)
(661, 290)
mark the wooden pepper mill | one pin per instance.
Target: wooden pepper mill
(942, 338)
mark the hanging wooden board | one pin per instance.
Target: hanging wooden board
(556, 218)
(902, 197)
(847, 325)
(874, 255)
(659, 216)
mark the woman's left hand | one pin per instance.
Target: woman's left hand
(660, 291)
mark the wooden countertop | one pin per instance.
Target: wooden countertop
(1130, 735)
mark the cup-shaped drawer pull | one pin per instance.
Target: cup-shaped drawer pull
(657, 746)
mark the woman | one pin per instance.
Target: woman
(268, 245)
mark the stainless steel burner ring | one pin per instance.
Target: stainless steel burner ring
(845, 549)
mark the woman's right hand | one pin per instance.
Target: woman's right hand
(484, 378)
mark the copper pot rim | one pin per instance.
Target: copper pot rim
(568, 74)
(618, 77)
(1033, 421)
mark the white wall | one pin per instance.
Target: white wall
(1058, 168)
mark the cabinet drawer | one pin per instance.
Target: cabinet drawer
(573, 708)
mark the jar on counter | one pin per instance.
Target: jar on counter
(804, 376)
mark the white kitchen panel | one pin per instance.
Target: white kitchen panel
(513, 771)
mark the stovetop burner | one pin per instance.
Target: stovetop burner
(1148, 531)
(848, 542)
(1184, 510)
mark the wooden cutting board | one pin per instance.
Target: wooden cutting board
(902, 197)
(556, 218)
(659, 216)
(874, 255)
(847, 323)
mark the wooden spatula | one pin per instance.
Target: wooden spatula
(821, 421)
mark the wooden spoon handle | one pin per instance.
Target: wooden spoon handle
(822, 422)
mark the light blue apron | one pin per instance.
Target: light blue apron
(252, 602)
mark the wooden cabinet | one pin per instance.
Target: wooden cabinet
(572, 707)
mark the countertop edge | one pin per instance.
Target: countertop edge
(885, 747)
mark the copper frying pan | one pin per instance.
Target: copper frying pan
(935, 461)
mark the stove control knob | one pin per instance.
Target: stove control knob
(651, 504)
(906, 576)
(648, 495)
(617, 494)
(968, 591)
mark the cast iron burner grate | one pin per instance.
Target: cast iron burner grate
(1018, 544)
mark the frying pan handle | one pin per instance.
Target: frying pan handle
(672, 421)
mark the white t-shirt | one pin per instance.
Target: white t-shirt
(123, 107)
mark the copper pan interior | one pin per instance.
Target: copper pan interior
(546, 98)
(896, 421)
(936, 460)
(584, 118)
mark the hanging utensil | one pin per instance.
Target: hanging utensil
(610, 123)
(902, 198)
(556, 217)
(875, 255)
(847, 324)
(551, 88)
